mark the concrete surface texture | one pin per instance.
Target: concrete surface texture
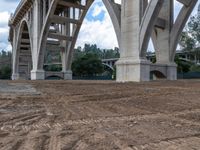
(35, 22)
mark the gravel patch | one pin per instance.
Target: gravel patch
(17, 88)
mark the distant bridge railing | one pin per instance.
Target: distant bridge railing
(92, 78)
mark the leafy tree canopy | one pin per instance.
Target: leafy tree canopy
(5, 64)
(190, 37)
(101, 53)
(87, 65)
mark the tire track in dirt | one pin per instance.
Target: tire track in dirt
(54, 142)
(102, 116)
(130, 118)
(187, 143)
(21, 117)
(13, 145)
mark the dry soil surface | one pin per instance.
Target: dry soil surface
(99, 115)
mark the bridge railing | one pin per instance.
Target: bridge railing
(21, 3)
(92, 78)
(189, 75)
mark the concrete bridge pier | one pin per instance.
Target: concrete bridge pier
(65, 46)
(37, 73)
(15, 76)
(166, 34)
(141, 20)
(161, 36)
(137, 21)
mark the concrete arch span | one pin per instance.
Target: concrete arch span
(108, 66)
(63, 21)
(22, 56)
(156, 75)
(114, 11)
(53, 75)
(170, 29)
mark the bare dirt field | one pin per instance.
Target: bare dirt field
(99, 115)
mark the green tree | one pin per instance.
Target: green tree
(5, 64)
(5, 72)
(82, 58)
(183, 66)
(194, 28)
(110, 53)
(195, 68)
(190, 37)
(186, 41)
(92, 49)
(101, 53)
(87, 65)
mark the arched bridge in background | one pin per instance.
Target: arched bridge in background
(40, 26)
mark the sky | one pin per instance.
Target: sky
(97, 27)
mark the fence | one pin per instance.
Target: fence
(189, 75)
(92, 78)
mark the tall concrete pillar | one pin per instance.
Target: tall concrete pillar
(131, 67)
(15, 73)
(65, 46)
(162, 41)
(37, 73)
(162, 37)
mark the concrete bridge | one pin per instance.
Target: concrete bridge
(110, 63)
(50, 74)
(37, 23)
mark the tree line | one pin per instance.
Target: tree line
(190, 43)
(87, 61)
(5, 64)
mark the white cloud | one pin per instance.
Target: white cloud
(118, 1)
(7, 7)
(4, 18)
(98, 32)
(4, 29)
(97, 10)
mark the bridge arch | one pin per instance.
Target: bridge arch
(68, 37)
(110, 67)
(114, 13)
(166, 49)
(156, 75)
(53, 77)
(23, 52)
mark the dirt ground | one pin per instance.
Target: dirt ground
(99, 115)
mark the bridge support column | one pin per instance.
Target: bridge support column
(130, 70)
(172, 71)
(15, 76)
(162, 41)
(67, 75)
(37, 75)
(167, 71)
(131, 66)
(166, 36)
